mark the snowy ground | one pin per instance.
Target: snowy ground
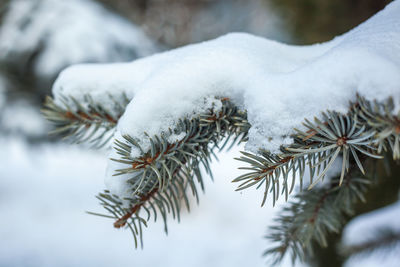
(44, 191)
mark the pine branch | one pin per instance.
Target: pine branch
(84, 122)
(381, 117)
(168, 172)
(312, 215)
(315, 149)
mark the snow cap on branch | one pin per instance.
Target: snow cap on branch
(279, 85)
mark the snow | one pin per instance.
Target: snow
(68, 32)
(175, 138)
(363, 228)
(355, 232)
(279, 85)
(21, 117)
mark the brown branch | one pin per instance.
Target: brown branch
(317, 208)
(122, 221)
(271, 168)
(143, 162)
(82, 116)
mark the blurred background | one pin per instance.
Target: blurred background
(46, 185)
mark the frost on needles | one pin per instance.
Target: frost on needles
(299, 109)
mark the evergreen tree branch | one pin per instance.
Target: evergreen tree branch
(380, 116)
(84, 122)
(313, 214)
(168, 172)
(315, 149)
(368, 129)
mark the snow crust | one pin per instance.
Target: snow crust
(66, 33)
(279, 85)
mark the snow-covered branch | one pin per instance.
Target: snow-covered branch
(184, 102)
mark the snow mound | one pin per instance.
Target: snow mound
(355, 231)
(279, 85)
(63, 33)
(366, 228)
